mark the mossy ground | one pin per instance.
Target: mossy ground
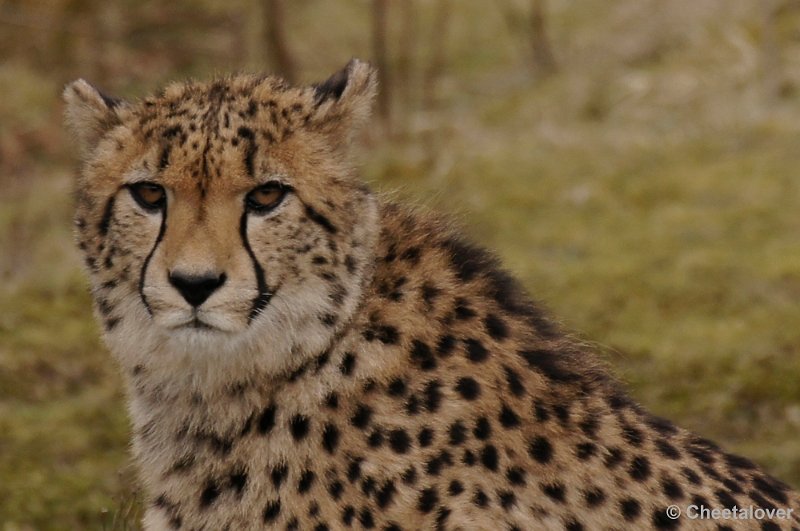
(647, 193)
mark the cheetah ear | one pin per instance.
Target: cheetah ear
(89, 113)
(343, 102)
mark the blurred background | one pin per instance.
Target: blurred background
(635, 162)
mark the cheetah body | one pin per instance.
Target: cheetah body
(362, 366)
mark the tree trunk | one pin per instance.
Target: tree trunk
(438, 58)
(380, 56)
(280, 55)
(543, 60)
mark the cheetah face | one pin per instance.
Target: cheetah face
(223, 217)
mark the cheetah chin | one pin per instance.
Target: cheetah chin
(301, 353)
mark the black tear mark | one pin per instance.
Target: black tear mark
(161, 231)
(321, 220)
(106, 219)
(264, 295)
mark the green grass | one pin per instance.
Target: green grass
(647, 194)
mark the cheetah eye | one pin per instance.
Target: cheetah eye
(150, 196)
(266, 197)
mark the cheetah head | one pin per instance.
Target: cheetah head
(223, 220)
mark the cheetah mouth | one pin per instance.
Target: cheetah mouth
(195, 323)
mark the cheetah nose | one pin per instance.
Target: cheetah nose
(196, 288)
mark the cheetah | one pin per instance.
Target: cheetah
(301, 353)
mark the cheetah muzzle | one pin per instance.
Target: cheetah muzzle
(300, 353)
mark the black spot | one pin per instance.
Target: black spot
(574, 525)
(455, 488)
(467, 260)
(508, 418)
(772, 489)
(320, 220)
(549, 363)
(354, 470)
(348, 514)
(278, 474)
(425, 437)
(266, 421)
(272, 510)
(614, 457)
(732, 486)
(445, 345)
(640, 468)
(238, 480)
(540, 411)
(306, 481)
(348, 363)
(399, 441)
(385, 494)
(540, 449)
(397, 387)
(411, 255)
(630, 509)
(332, 401)
(298, 426)
(422, 356)
(662, 521)
(463, 311)
(671, 489)
(666, 449)
(330, 438)
(554, 491)
(585, 450)
(480, 498)
(458, 433)
(428, 500)
(515, 475)
(489, 457)
(594, 497)
(483, 428)
(412, 405)
(409, 476)
(468, 388)
(361, 417)
(691, 476)
(375, 439)
(476, 352)
(468, 458)
(441, 518)
(734, 461)
(433, 395)
(507, 499)
(429, 293)
(562, 413)
(496, 327)
(365, 517)
(632, 435)
(335, 489)
(515, 384)
(163, 160)
(209, 494)
(386, 334)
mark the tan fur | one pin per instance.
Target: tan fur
(397, 378)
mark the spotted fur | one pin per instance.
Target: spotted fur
(362, 365)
